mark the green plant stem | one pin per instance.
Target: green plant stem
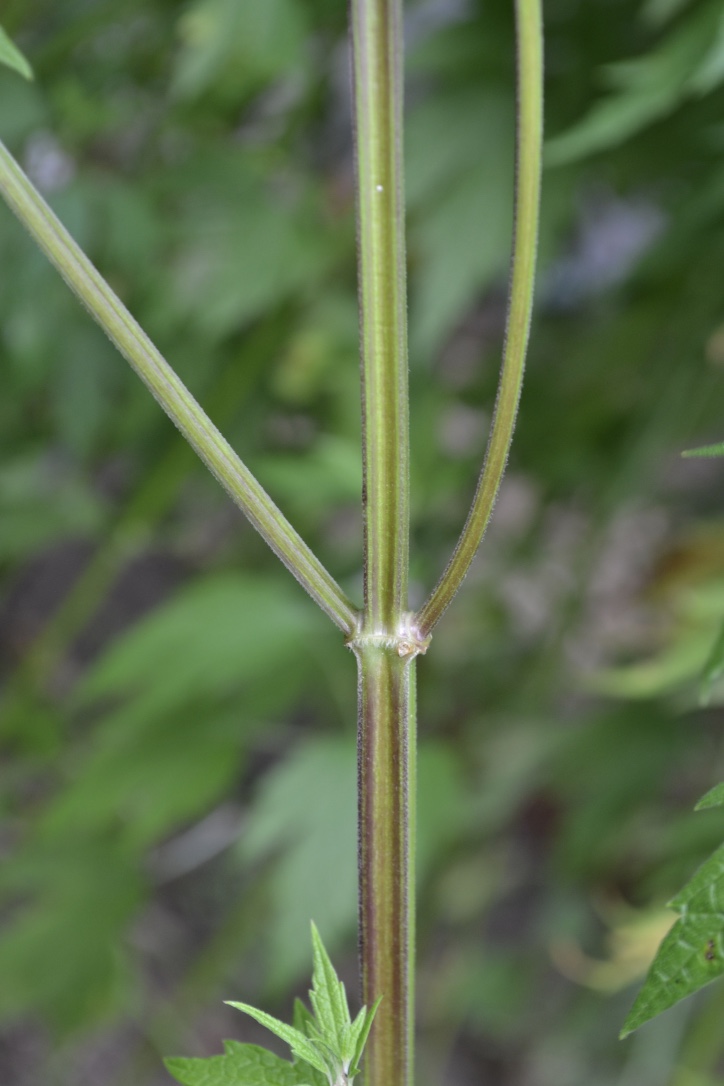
(387, 849)
(175, 399)
(385, 645)
(377, 58)
(529, 31)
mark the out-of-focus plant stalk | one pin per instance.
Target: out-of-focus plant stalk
(529, 34)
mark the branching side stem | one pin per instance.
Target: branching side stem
(529, 33)
(175, 399)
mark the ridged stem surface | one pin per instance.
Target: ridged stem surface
(377, 68)
(384, 647)
(387, 762)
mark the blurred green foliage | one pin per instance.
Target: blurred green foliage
(177, 730)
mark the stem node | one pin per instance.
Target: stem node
(406, 639)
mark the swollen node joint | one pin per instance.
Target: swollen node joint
(406, 640)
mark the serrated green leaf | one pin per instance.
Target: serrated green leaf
(706, 450)
(300, 1045)
(704, 893)
(692, 954)
(326, 1047)
(304, 1022)
(713, 798)
(357, 1027)
(241, 1065)
(11, 57)
(361, 1032)
(329, 1000)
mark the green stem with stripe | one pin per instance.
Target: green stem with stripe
(528, 156)
(384, 645)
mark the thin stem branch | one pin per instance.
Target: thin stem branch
(175, 399)
(527, 200)
(377, 63)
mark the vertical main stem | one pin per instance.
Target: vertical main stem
(387, 769)
(377, 62)
(384, 646)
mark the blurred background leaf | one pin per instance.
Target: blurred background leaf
(12, 58)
